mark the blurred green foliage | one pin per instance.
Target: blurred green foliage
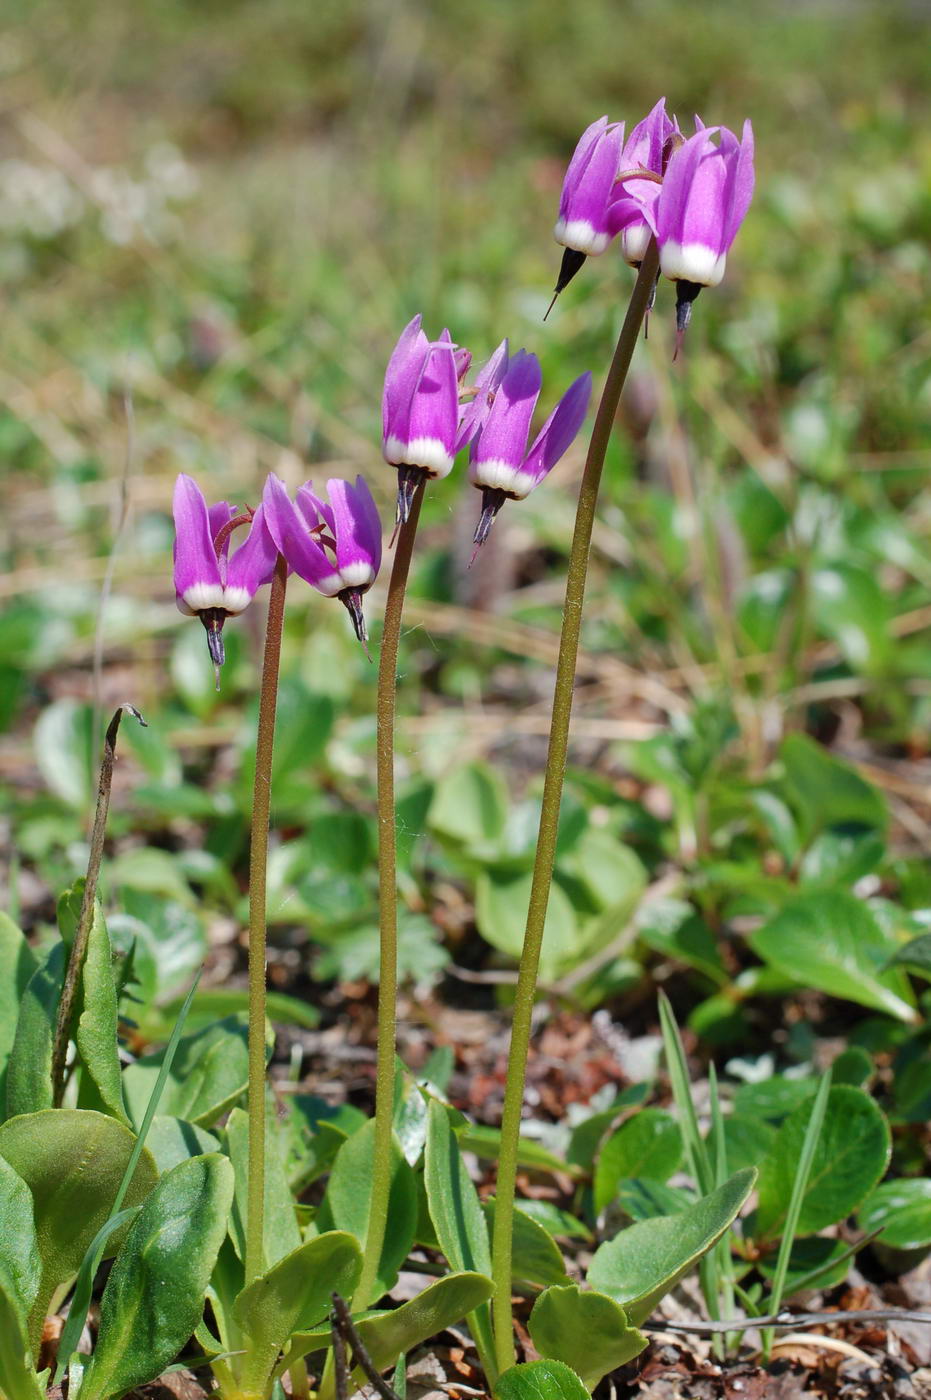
(228, 213)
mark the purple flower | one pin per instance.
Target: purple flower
(428, 415)
(334, 545)
(646, 151)
(420, 409)
(705, 195)
(499, 464)
(208, 582)
(595, 205)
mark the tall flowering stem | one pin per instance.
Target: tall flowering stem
(387, 902)
(258, 861)
(549, 815)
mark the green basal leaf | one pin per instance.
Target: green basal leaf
(291, 1297)
(501, 903)
(457, 1214)
(902, 1210)
(588, 1331)
(646, 1260)
(388, 1335)
(96, 1035)
(29, 1068)
(316, 1131)
(817, 1262)
(73, 1162)
(915, 955)
(20, 1264)
(587, 1135)
(17, 965)
(851, 1156)
(535, 1256)
(643, 1199)
(747, 1140)
(826, 792)
(173, 1140)
(209, 1073)
(648, 1145)
(540, 1380)
(470, 805)
(154, 1296)
(829, 940)
(346, 1204)
(485, 1142)
(282, 1235)
(557, 1223)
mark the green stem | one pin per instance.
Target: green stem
(387, 905)
(549, 814)
(86, 917)
(258, 861)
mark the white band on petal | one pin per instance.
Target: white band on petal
(692, 262)
(357, 575)
(429, 453)
(580, 235)
(201, 596)
(502, 476)
(634, 242)
(236, 600)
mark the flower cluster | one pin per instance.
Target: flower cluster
(690, 194)
(429, 414)
(335, 545)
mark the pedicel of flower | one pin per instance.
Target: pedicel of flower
(334, 545)
(210, 584)
(500, 465)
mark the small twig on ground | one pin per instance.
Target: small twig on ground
(344, 1329)
(787, 1320)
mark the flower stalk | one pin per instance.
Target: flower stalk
(387, 902)
(258, 861)
(549, 815)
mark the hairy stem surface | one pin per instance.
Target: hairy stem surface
(549, 815)
(387, 905)
(258, 861)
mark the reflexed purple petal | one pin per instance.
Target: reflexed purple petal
(289, 532)
(313, 509)
(587, 189)
(194, 555)
(503, 437)
(358, 532)
(434, 408)
(636, 206)
(740, 183)
(644, 146)
(560, 429)
(401, 376)
(486, 383)
(251, 566)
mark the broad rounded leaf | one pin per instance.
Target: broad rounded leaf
(540, 1380)
(292, 1296)
(646, 1260)
(648, 1145)
(346, 1205)
(17, 964)
(829, 940)
(535, 1255)
(73, 1161)
(154, 1296)
(470, 805)
(209, 1073)
(589, 1331)
(388, 1335)
(850, 1158)
(827, 792)
(903, 1210)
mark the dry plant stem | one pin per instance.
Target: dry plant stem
(549, 816)
(258, 861)
(79, 946)
(387, 905)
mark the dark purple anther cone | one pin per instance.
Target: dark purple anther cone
(570, 265)
(409, 478)
(686, 292)
(213, 620)
(492, 501)
(351, 599)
